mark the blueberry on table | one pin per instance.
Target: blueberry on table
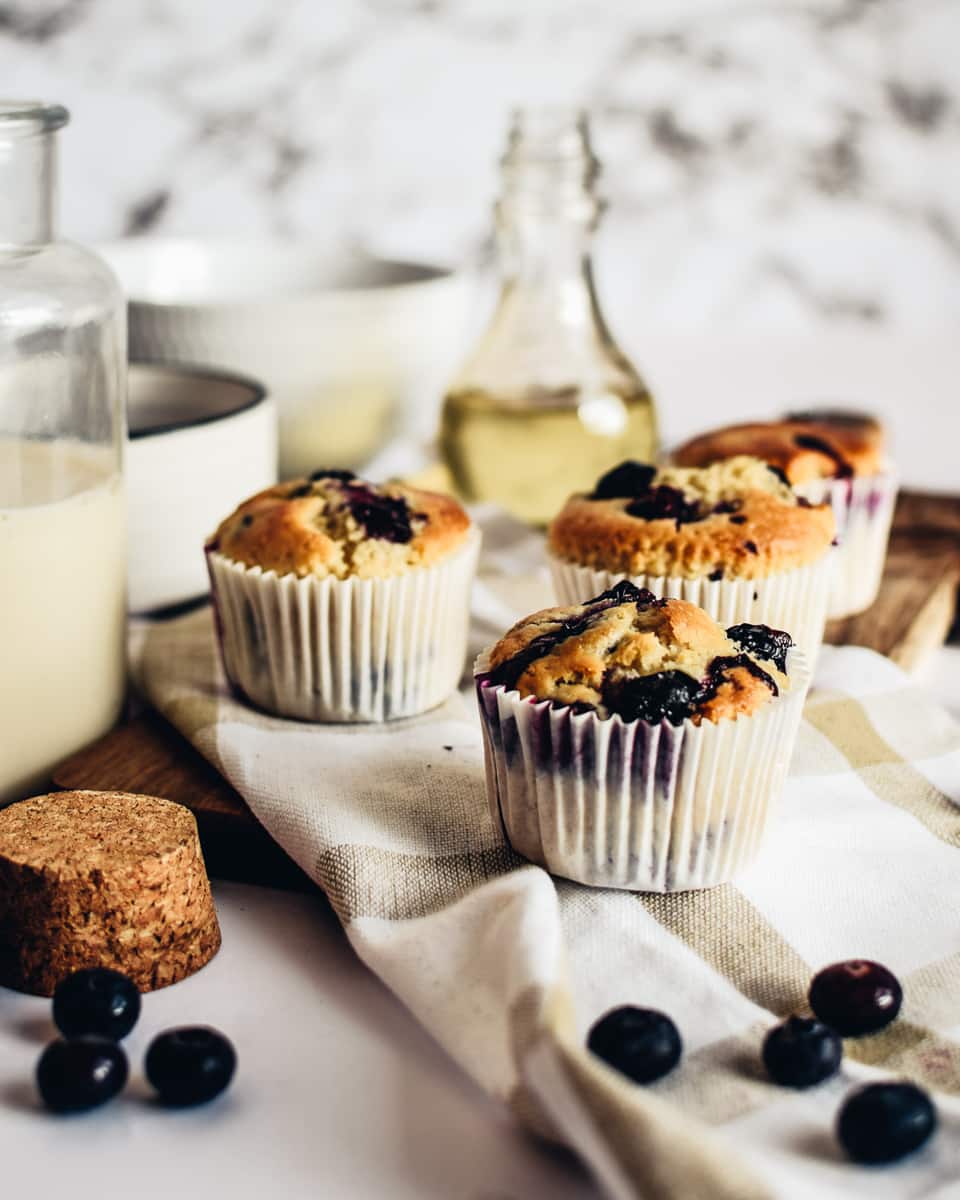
(96, 1000)
(882, 1122)
(80, 1073)
(190, 1065)
(801, 1052)
(856, 997)
(641, 1043)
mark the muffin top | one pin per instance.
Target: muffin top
(822, 444)
(736, 519)
(334, 524)
(628, 653)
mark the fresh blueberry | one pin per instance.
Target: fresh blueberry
(856, 997)
(667, 695)
(190, 1065)
(801, 1052)
(641, 1043)
(630, 478)
(763, 642)
(82, 1073)
(882, 1122)
(96, 1000)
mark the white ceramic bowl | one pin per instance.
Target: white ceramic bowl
(200, 442)
(351, 348)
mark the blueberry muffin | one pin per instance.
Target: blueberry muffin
(827, 455)
(341, 600)
(334, 525)
(732, 538)
(804, 447)
(632, 742)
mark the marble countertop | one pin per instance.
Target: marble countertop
(775, 165)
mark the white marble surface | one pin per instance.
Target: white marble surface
(772, 164)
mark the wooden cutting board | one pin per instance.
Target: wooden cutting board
(914, 613)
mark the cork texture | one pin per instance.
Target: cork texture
(105, 879)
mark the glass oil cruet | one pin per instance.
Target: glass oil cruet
(62, 430)
(547, 401)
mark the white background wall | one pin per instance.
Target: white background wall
(771, 164)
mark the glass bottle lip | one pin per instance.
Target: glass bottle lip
(25, 117)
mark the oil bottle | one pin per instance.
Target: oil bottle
(547, 401)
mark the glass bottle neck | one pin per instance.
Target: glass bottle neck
(27, 188)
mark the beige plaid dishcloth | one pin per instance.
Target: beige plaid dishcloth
(508, 967)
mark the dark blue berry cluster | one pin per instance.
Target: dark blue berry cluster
(879, 1123)
(95, 1009)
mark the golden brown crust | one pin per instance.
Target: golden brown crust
(856, 443)
(303, 527)
(767, 532)
(629, 641)
(102, 879)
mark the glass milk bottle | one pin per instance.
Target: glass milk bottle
(62, 430)
(547, 401)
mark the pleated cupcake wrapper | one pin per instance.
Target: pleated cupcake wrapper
(344, 650)
(624, 804)
(863, 509)
(795, 600)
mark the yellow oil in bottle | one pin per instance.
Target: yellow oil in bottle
(528, 453)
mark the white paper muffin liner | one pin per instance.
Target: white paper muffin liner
(344, 649)
(795, 600)
(863, 509)
(624, 804)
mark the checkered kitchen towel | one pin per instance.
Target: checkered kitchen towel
(508, 967)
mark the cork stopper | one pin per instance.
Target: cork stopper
(102, 879)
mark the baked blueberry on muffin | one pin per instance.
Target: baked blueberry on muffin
(334, 525)
(827, 455)
(733, 538)
(632, 742)
(342, 600)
